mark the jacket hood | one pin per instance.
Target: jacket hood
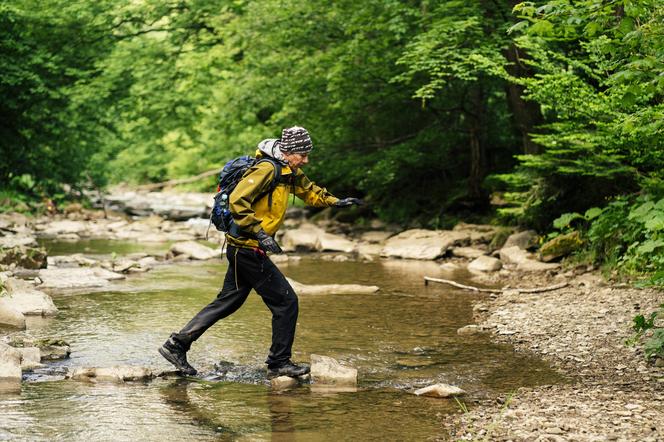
(270, 147)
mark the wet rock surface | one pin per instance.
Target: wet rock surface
(423, 244)
(119, 373)
(328, 371)
(440, 391)
(10, 363)
(332, 289)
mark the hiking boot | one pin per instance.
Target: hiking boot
(174, 354)
(287, 369)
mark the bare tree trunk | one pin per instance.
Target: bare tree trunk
(526, 114)
(476, 140)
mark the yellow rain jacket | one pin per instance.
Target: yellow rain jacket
(249, 201)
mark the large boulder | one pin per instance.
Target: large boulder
(9, 241)
(119, 373)
(29, 301)
(326, 370)
(30, 358)
(561, 245)
(375, 236)
(328, 242)
(513, 255)
(423, 244)
(440, 391)
(10, 363)
(479, 233)
(332, 289)
(58, 228)
(26, 257)
(9, 315)
(169, 205)
(310, 238)
(523, 240)
(77, 278)
(195, 250)
(485, 264)
(467, 252)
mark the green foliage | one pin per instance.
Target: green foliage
(627, 233)
(597, 83)
(654, 344)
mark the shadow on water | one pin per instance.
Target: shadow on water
(400, 338)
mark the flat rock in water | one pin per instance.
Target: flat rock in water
(283, 383)
(120, 373)
(76, 278)
(29, 301)
(10, 363)
(440, 391)
(195, 250)
(423, 244)
(328, 371)
(469, 330)
(332, 289)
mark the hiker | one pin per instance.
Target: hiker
(257, 215)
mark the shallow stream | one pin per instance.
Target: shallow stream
(401, 338)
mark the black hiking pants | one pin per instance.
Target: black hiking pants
(247, 269)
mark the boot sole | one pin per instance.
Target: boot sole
(169, 357)
(276, 375)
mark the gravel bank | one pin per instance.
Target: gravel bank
(614, 394)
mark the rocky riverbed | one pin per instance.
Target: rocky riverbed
(613, 393)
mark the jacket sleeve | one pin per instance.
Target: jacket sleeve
(311, 194)
(254, 182)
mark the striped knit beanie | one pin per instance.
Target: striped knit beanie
(295, 140)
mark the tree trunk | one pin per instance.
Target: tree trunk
(526, 114)
(477, 143)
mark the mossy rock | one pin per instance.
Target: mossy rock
(26, 257)
(500, 237)
(561, 245)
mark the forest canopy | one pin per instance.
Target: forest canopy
(427, 109)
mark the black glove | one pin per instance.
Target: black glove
(267, 243)
(347, 202)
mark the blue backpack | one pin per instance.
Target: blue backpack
(229, 177)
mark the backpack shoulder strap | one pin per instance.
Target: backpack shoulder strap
(275, 179)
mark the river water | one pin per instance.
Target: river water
(400, 338)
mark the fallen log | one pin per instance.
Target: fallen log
(175, 182)
(428, 279)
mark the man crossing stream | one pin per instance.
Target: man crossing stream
(258, 211)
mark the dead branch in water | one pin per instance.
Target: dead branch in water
(428, 279)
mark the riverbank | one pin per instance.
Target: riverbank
(613, 392)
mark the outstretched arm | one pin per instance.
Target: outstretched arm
(311, 194)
